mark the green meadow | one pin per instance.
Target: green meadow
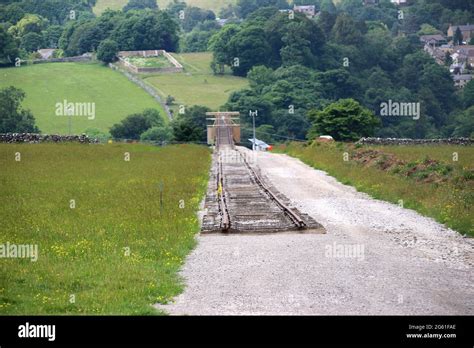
(197, 85)
(45, 85)
(429, 180)
(111, 234)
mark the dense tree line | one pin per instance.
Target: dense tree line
(299, 66)
(27, 25)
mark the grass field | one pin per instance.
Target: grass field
(214, 5)
(115, 252)
(425, 178)
(114, 96)
(196, 85)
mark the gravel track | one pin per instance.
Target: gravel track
(396, 261)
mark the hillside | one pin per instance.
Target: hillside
(197, 85)
(114, 96)
(214, 5)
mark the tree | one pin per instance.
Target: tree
(52, 35)
(246, 7)
(147, 31)
(161, 134)
(464, 124)
(13, 118)
(259, 77)
(344, 120)
(346, 31)
(86, 37)
(191, 126)
(198, 39)
(8, 48)
(11, 13)
(107, 51)
(326, 21)
(30, 23)
(194, 15)
(457, 37)
(154, 117)
(133, 126)
(170, 100)
(175, 7)
(468, 94)
(248, 48)
(296, 50)
(328, 6)
(219, 45)
(140, 5)
(32, 42)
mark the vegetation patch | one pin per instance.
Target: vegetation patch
(197, 85)
(150, 62)
(425, 179)
(46, 85)
(111, 233)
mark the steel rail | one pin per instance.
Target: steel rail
(295, 218)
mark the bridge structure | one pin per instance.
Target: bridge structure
(239, 200)
(227, 122)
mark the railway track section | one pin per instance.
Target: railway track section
(239, 200)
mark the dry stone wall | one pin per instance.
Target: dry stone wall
(43, 138)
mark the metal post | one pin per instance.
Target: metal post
(253, 145)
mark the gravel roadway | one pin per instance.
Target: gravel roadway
(376, 258)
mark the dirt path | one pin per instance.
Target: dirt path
(376, 258)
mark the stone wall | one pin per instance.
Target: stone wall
(77, 59)
(44, 138)
(397, 141)
(148, 53)
(150, 90)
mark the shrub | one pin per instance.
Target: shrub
(161, 134)
(107, 51)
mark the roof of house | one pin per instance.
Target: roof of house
(436, 37)
(462, 77)
(467, 27)
(305, 7)
(467, 50)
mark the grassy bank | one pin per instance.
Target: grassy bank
(114, 252)
(197, 85)
(425, 179)
(115, 97)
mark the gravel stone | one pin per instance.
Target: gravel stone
(410, 264)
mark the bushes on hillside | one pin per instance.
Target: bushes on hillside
(133, 126)
(13, 118)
